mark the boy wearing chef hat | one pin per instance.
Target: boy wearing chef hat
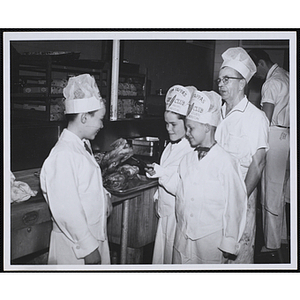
(243, 132)
(177, 102)
(71, 181)
(210, 193)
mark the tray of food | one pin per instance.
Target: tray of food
(122, 173)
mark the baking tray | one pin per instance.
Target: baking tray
(135, 184)
(147, 146)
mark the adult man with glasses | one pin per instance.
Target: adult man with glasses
(243, 132)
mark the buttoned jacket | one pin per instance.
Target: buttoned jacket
(211, 196)
(71, 182)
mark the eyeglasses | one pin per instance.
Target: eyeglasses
(225, 79)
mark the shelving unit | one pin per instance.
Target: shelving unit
(38, 82)
(131, 96)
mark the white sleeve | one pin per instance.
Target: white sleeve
(170, 178)
(234, 217)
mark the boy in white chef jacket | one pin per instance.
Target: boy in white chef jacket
(177, 101)
(71, 181)
(210, 192)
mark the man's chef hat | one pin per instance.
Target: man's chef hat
(82, 95)
(178, 98)
(239, 59)
(205, 107)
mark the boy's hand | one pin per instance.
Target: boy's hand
(150, 170)
(93, 258)
(229, 255)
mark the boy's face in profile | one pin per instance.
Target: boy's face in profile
(195, 132)
(93, 124)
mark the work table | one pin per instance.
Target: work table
(132, 223)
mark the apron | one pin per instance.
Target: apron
(247, 241)
(275, 189)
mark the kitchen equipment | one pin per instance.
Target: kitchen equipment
(147, 146)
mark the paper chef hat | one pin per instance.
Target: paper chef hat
(82, 95)
(238, 59)
(178, 98)
(205, 107)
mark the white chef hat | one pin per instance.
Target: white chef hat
(238, 59)
(178, 98)
(82, 95)
(205, 107)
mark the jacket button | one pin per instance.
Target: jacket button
(191, 215)
(192, 199)
(77, 247)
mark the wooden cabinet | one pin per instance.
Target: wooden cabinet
(38, 82)
(30, 220)
(142, 220)
(133, 223)
(30, 227)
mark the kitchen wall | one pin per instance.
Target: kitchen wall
(277, 50)
(172, 62)
(168, 63)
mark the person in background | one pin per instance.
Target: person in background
(211, 199)
(243, 132)
(71, 181)
(275, 102)
(177, 100)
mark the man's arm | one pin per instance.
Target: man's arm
(255, 170)
(268, 108)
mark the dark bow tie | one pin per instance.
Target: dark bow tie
(202, 151)
(175, 142)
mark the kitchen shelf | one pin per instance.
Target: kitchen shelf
(33, 73)
(131, 95)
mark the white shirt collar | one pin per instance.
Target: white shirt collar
(72, 136)
(241, 106)
(271, 71)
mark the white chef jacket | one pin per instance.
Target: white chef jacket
(211, 196)
(169, 161)
(164, 239)
(71, 182)
(275, 90)
(242, 132)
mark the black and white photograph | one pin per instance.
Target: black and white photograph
(159, 151)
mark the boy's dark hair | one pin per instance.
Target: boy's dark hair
(181, 117)
(71, 117)
(258, 54)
